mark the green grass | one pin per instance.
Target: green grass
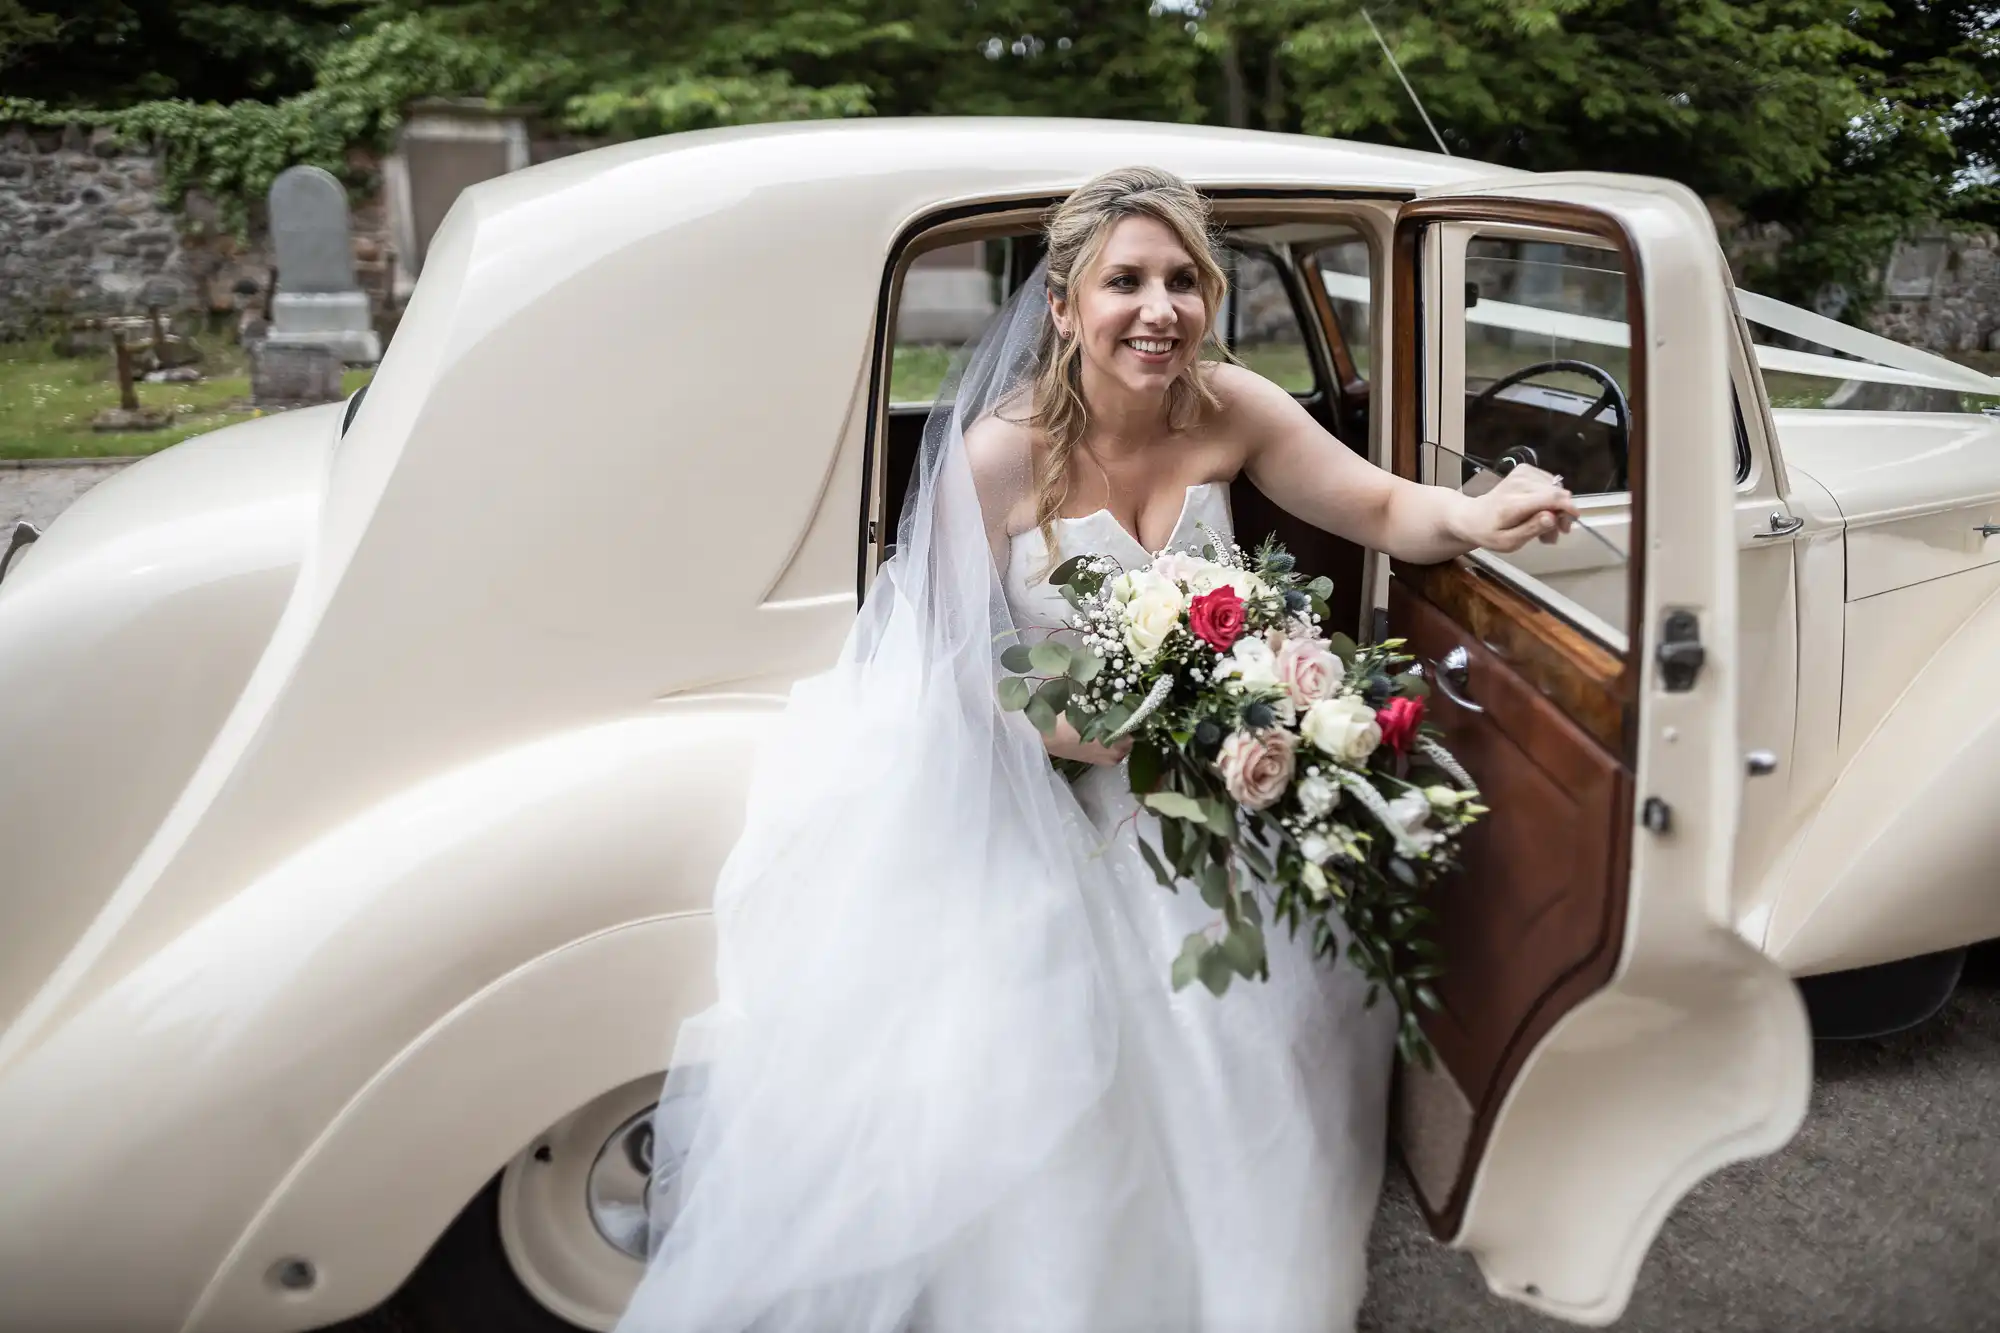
(47, 402)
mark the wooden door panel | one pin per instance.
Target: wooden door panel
(1533, 922)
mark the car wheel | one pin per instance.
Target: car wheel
(1868, 1002)
(555, 1243)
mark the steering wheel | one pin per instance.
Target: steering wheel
(1613, 397)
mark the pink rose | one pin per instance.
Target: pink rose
(1176, 565)
(1308, 671)
(1256, 766)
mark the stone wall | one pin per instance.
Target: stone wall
(83, 232)
(1943, 292)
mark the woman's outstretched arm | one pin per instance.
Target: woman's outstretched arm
(1315, 477)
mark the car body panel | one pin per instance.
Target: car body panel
(126, 634)
(284, 1036)
(1900, 857)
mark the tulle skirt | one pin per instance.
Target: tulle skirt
(949, 1089)
(1227, 1180)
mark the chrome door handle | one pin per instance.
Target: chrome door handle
(1782, 525)
(1452, 669)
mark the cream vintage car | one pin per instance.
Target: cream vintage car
(367, 768)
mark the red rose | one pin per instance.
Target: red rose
(1399, 723)
(1217, 618)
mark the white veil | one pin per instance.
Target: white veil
(912, 1013)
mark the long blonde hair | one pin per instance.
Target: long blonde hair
(1076, 232)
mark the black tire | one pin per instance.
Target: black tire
(1878, 1001)
(464, 1285)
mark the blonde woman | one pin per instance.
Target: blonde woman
(946, 1085)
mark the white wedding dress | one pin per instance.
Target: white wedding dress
(946, 1086)
(1229, 1179)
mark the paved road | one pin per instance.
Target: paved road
(1882, 1216)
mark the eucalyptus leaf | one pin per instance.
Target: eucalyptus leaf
(1187, 966)
(1220, 816)
(1014, 694)
(1175, 806)
(1043, 716)
(1215, 971)
(1214, 881)
(1143, 767)
(1017, 659)
(1341, 646)
(1084, 667)
(1160, 872)
(1321, 587)
(1244, 948)
(1051, 657)
(1066, 571)
(1054, 693)
(1170, 840)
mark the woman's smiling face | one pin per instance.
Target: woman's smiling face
(1137, 309)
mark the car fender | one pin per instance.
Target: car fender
(1902, 856)
(191, 1110)
(368, 1199)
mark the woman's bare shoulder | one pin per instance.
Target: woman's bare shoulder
(1241, 389)
(1001, 448)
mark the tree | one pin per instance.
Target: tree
(115, 53)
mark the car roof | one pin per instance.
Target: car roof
(984, 155)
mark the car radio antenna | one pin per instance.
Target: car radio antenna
(1415, 101)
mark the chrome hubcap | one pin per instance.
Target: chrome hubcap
(616, 1189)
(631, 1172)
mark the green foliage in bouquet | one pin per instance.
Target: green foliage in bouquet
(1291, 771)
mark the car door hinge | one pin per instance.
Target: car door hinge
(1656, 815)
(1680, 653)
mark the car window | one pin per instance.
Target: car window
(1259, 323)
(1346, 271)
(1547, 363)
(947, 297)
(1542, 338)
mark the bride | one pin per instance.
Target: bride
(947, 1086)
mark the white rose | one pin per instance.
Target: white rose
(1253, 663)
(1153, 607)
(1212, 576)
(1317, 797)
(1411, 811)
(1344, 728)
(1315, 848)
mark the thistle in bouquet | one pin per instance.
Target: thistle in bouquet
(1292, 772)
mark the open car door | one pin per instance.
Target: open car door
(1605, 1039)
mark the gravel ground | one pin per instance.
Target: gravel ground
(1880, 1217)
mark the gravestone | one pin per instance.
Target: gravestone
(317, 301)
(294, 374)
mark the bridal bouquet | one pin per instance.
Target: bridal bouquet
(1264, 746)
